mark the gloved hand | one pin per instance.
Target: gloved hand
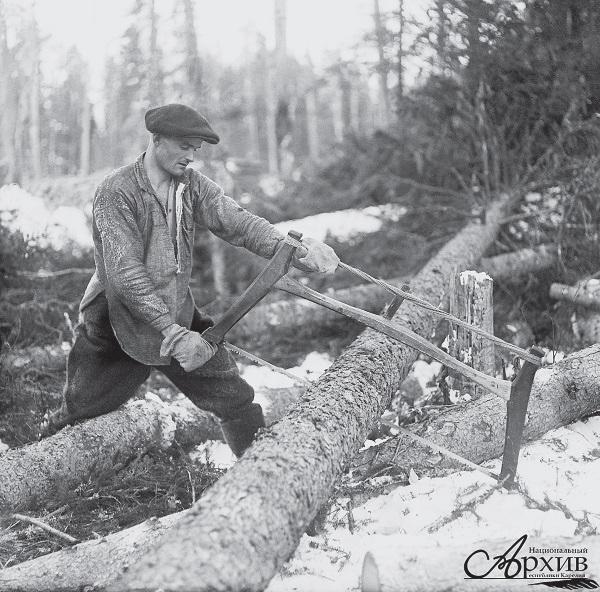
(189, 348)
(314, 255)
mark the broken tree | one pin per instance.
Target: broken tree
(243, 528)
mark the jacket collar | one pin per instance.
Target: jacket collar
(141, 176)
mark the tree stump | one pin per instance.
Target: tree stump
(471, 299)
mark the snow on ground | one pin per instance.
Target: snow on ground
(558, 475)
(59, 228)
(344, 224)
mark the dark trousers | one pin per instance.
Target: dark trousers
(101, 377)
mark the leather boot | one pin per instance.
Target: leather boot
(240, 432)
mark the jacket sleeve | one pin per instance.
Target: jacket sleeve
(123, 253)
(229, 221)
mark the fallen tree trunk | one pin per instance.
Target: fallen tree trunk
(584, 293)
(421, 565)
(520, 262)
(34, 473)
(94, 563)
(243, 528)
(561, 394)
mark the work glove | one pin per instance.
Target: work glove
(189, 348)
(314, 255)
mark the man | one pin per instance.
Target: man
(137, 311)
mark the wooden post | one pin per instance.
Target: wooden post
(471, 299)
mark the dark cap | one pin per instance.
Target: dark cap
(179, 121)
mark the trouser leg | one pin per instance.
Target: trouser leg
(218, 387)
(100, 375)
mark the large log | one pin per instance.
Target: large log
(585, 293)
(34, 473)
(520, 262)
(241, 531)
(561, 394)
(95, 563)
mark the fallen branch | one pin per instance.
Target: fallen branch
(57, 533)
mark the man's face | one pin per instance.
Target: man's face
(174, 154)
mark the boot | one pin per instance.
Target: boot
(240, 432)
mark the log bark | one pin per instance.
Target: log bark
(34, 473)
(520, 262)
(419, 564)
(95, 563)
(585, 293)
(238, 535)
(561, 394)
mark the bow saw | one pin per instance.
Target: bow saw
(515, 393)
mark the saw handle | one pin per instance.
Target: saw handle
(275, 269)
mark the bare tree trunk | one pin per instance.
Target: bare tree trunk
(312, 124)
(86, 136)
(561, 394)
(8, 100)
(155, 78)
(584, 293)
(35, 163)
(246, 526)
(218, 266)
(272, 98)
(520, 262)
(382, 67)
(400, 65)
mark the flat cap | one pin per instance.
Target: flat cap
(180, 121)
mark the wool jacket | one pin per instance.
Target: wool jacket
(143, 272)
